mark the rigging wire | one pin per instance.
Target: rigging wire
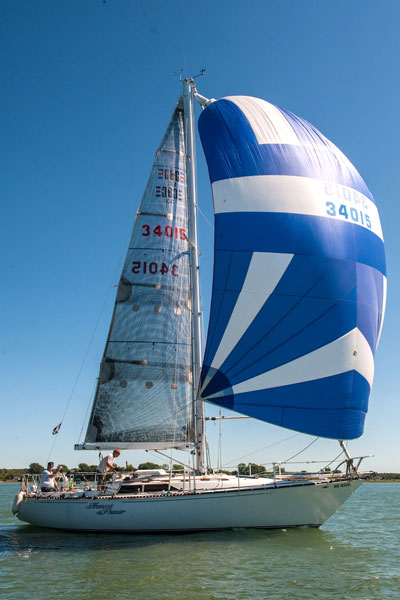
(234, 461)
(288, 459)
(205, 218)
(297, 454)
(110, 287)
(87, 409)
(334, 460)
(51, 450)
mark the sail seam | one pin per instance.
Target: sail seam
(295, 306)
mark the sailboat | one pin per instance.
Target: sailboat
(298, 300)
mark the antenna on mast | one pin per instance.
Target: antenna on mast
(176, 74)
(202, 71)
(181, 78)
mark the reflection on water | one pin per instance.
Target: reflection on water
(354, 556)
(38, 539)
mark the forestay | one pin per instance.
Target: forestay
(144, 396)
(299, 283)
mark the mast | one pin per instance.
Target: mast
(194, 265)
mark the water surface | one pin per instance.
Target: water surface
(355, 555)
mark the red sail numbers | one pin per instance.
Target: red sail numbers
(155, 267)
(152, 268)
(168, 231)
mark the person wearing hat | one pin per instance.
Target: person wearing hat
(106, 464)
(47, 478)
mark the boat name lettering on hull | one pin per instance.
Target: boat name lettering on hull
(104, 510)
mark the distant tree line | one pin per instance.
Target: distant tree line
(10, 474)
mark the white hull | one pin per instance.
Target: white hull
(287, 505)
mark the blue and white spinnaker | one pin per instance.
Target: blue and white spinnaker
(299, 284)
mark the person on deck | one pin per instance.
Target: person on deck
(106, 464)
(47, 478)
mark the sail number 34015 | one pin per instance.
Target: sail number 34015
(153, 268)
(168, 231)
(354, 214)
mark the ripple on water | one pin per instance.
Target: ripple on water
(354, 556)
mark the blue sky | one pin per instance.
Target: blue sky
(88, 89)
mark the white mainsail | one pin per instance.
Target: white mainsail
(144, 396)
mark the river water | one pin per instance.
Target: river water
(355, 555)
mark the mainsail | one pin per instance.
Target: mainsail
(299, 284)
(144, 396)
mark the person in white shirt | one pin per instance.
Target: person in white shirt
(47, 478)
(106, 464)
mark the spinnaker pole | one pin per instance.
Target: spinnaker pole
(194, 265)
